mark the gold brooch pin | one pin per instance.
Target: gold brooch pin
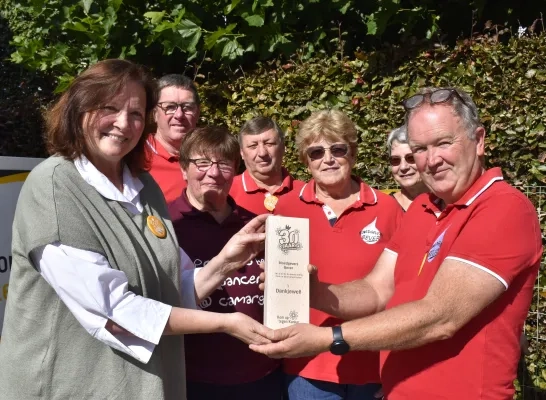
(156, 226)
(270, 202)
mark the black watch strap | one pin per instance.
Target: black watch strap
(336, 332)
(339, 345)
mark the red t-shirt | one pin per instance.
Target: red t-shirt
(248, 195)
(218, 358)
(344, 251)
(494, 227)
(166, 170)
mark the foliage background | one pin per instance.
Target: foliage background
(363, 72)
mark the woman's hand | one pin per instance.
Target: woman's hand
(246, 329)
(244, 245)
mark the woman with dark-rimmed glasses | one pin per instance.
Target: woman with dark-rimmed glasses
(403, 168)
(205, 218)
(350, 224)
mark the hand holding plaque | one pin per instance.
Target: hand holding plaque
(286, 297)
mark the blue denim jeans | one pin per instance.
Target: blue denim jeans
(300, 388)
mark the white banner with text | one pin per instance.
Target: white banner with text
(13, 172)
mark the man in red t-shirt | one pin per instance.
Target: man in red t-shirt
(176, 114)
(265, 182)
(447, 299)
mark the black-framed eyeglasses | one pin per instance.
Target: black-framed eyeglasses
(396, 160)
(435, 97)
(170, 107)
(336, 150)
(204, 164)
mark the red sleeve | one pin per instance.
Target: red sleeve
(502, 237)
(401, 218)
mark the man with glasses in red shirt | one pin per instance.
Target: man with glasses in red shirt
(448, 297)
(176, 114)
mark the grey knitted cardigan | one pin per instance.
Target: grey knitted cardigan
(44, 352)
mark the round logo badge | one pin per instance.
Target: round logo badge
(156, 226)
(370, 234)
(270, 202)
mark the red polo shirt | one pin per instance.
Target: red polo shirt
(166, 170)
(343, 252)
(495, 228)
(218, 358)
(248, 195)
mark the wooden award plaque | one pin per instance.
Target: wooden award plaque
(286, 297)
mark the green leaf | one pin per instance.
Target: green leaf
(154, 16)
(86, 4)
(371, 24)
(76, 26)
(187, 28)
(232, 50)
(254, 20)
(211, 39)
(344, 9)
(230, 27)
(115, 4)
(230, 7)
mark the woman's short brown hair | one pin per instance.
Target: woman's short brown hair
(331, 125)
(210, 141)
(88, 92)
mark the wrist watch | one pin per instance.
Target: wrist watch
(339, 346)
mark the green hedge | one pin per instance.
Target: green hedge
(506, 80)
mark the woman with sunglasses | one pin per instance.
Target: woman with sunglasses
(403, 168)
(350, 223)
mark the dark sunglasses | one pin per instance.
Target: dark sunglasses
(336, 150)
(396, 160)
(434, 97)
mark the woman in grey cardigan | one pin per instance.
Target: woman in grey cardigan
(94, 302)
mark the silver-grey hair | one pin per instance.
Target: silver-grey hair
(178, 81)
(399, 135)
(466, 110)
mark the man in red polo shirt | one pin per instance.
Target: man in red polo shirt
(265, 182)
(447, 299)
(176, 114)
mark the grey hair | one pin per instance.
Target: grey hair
(466, 110)
(178, 81)
(258, 125)
(399, 135)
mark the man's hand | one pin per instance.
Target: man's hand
(247, 329)
(313, 276)
(298, 340)
(244, 245)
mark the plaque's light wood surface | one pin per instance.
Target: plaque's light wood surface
(286, 297)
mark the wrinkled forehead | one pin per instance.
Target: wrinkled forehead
(176, 94)
(270, 134)
(432, 118)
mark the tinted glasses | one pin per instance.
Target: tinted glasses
(396, 160)
(434, 97)
(336, 150)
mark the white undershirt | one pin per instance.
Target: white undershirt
(95, 293)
